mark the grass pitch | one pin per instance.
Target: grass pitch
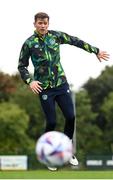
(60, 174)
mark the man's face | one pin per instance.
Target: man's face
(41, 25)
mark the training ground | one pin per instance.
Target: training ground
(60, 174)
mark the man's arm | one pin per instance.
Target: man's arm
(23, 64)
(22, 67)
(75, 41)
(67, 39)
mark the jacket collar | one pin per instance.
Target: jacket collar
(39, 36)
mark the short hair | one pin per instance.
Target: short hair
(41, 15)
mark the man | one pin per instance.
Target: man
(49, 80)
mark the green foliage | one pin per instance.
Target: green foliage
(7, 86)
(89, 136)
(100, 87)
(28, 101)
(13, 125)
(107, 110)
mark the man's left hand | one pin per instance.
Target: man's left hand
(103, 55)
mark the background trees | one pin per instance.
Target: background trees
(22, 120)
(107, 111)
(89, 136)
(13, 126)
(98, 89)
(7, 86)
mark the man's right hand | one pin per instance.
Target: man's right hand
(36, 86)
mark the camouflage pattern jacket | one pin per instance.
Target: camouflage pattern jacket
(45, 56)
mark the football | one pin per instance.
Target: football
(54, 149)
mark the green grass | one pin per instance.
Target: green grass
(60, 174)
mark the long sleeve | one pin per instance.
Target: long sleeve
(67, 39)
(23, 63)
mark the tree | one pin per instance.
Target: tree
(29, 102)
(107, 111)
(89, 136)
(7, 86)
(98, 89)
(13, 125)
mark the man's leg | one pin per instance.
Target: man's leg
(66, 105)
(48, 105)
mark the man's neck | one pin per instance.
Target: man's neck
(41, 35)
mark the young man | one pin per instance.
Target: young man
(49, 80)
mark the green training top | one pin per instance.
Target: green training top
(45, 56)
